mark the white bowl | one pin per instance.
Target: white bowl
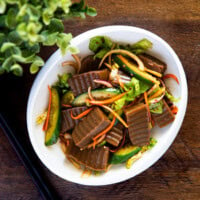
(53, 158)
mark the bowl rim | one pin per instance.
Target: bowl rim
(57, 56)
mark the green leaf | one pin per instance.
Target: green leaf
(17, 69)
(100, 54)
(2, 6)
(2, 21)
(56, 25)
(156, 107)
(77, 6)
(73, 50)
(99, 42)
(46, 16)
(33, 12)
(11, 18)
(2, 38)
(15, 38)
(22, 31)
(50, 39)
(12, 1)
(65, 4)
(38, 62)
(6, 46)
(7, 63)
(64, 41)
(91, 12)
(141, 46)
(2, 70)
(171, 97)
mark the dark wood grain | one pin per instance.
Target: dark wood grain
(177, 174)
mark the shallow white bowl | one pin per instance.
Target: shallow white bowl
(53, 158)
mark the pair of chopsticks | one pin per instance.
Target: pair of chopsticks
(45, 190)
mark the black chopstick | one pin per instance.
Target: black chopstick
(46, 192)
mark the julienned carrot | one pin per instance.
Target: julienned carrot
(166, 76)
(66, 105)
(153, 72)
(94, 143)
(82, 114)
(157, 94)
(107, 101)
(106, 130)
(116, 115)
(48, 112)
(146, 102)
(120, 81)
(174, 109)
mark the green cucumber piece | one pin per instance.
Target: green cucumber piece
(54, 123)
(124, 154)
(131, 68)
(99, 94)
(67, 98)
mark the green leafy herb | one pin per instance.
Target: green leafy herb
(141, 46)
(100, 45)
(62, 83)
(171, 97)
(26, 25)
(156, 107)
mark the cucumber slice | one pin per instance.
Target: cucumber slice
(99, 94)
(131, 68)
(124, 154)
(54, 123)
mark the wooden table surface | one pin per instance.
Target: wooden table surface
(177, 174)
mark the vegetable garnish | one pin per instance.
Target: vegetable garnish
(166, 76)
(71, 63)
(42, 117)
(115, 114)
(105, 130)
(121, 145)
(157, 99)
(120, 81)
(109, 58)
(131, 160)
(108, 66)
(174, 109)
(90, 94)
(102, 82)
(95, 142)
(153, 72)
(66, 105)
(82, 114)
(147, 103)
(78, 62)
(135, 69)
(158, 93)
(133, 56)
(106, 101)
(171, 97)
(48, 112)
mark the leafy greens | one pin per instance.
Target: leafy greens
(26, 25)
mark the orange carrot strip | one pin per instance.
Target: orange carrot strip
(108, 66)
(171, 76)
(97, 142)
(120, 81)
(49, 108)
(105, 130)
(66, 105)
(107, 101)
(146, 102)
(153, 72)
(174, 109)
(157, 94)
(116, 115)
(82, 114)
(94, 144)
